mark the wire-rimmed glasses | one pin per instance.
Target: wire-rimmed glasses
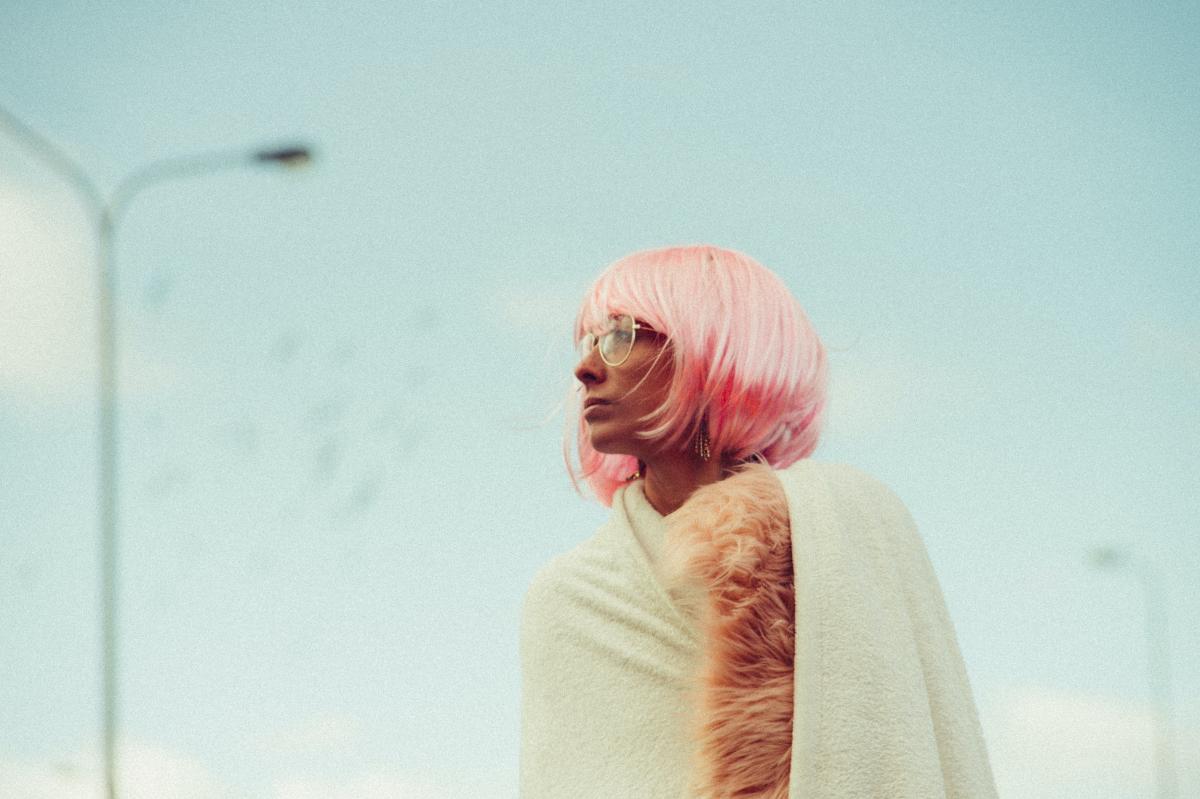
(615, 341)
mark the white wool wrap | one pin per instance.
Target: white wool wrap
(618, 653)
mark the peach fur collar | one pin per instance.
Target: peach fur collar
(727, 562)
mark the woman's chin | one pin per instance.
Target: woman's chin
(609, 445)
(604, 449)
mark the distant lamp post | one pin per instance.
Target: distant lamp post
(292, 157)
(1158, 658)
(106, 213)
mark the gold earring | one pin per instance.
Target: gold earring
(702, 443)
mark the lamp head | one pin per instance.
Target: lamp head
(1107, 557)
(292, 157)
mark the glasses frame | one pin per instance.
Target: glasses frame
(591, 341)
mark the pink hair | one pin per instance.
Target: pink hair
(746, 359)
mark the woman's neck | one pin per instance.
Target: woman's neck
(671, 479)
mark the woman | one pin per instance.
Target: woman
(747, 623)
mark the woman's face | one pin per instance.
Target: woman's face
(617, 397)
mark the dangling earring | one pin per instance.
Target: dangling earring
(702, 442)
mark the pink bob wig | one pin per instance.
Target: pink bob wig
(747, 362)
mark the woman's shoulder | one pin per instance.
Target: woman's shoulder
(809, 469)
(590, 557)
(843, 482)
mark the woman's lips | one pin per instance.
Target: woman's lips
(589, 407)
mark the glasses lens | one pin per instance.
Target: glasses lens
(617, 342)
(585, 345)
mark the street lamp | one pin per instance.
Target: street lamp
(106, 213)
(1158, 658)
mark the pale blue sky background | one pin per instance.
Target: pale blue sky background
(338, 474)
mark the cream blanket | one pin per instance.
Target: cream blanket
(606, 665)
(612, 645)
(883, 707)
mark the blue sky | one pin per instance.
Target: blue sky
(339, 449)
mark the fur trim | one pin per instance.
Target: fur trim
(728, 562)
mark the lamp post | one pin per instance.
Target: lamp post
(1158, 659)
(106, 214)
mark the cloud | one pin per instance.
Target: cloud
(48, 289)
(864, 398)
(1166, 345)
(145, 771)
(1047, 743)
(47, 286)
(873, 389)
(545, 312)
(374, 786)
(150, 771)
(330, 732)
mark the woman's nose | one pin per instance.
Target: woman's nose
(590, 368)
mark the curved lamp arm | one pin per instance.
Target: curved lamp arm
(105, 214)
